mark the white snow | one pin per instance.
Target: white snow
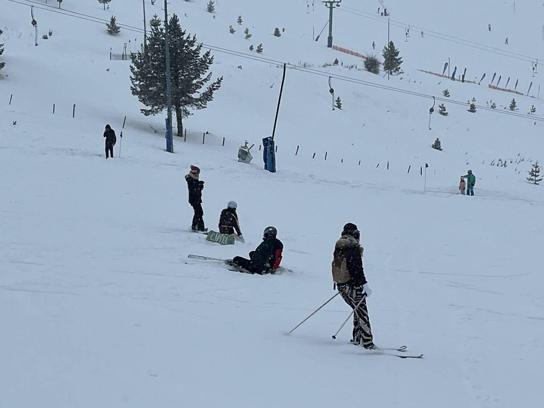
(99, 304)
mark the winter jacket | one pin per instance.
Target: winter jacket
(471, 179)
(195, 187)
(349, 247)
(109, 134)
(228, 222)
(267, 257)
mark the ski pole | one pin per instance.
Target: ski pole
(314, 312)
(347, 318)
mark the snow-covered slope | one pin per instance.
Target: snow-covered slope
(98, 301)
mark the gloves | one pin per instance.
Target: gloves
(367, 289)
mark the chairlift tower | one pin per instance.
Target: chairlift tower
(331, 4)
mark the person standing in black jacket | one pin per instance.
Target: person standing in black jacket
(195, 187)
(109, 134)
(349, 277)
(228, 221)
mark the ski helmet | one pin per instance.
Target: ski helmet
(270, 232)
(232, 204)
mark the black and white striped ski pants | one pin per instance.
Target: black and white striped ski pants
(356, 299)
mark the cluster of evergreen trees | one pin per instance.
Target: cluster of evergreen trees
(191, 87)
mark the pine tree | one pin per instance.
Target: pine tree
(534, 174)
(2, 64)
(104, 2)
(513, 105)
(391, 59)
(231, 29)
(247, 34)
(533, 109)
(259, 49)
(112, 26)
(239, 20)
(277, 32)
(442, 110)
(211, 6)
(446, 93)
(472, 107)
(190, 78)
(372, 64)
(338, 103)
(251, 47)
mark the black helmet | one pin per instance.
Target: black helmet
(351, 229)
(270, 232)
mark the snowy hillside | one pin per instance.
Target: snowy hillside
(100, 305)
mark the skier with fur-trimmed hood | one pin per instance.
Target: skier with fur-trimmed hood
(349, 277)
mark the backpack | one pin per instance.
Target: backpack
(340, 272)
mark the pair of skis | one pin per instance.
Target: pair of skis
(400, 352)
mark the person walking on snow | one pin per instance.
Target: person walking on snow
(109, 134)
(471, 182)
(228, 221)
(195, 187)
(266, 258)
(462, 185)
(349, 278)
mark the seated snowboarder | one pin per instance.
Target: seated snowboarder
(265, 259)
(228, 221)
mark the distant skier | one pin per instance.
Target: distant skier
(489, 27)
(349, 277)
(462, 185)
(471, 182)
(265, 259)
(228, 221)
(109, 134)
(195, 187)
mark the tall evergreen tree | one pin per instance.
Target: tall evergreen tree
(534, 174)
(104, 2)
(391, 59)
(189, 72)
(513, 105)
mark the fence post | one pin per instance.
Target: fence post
(276, 148)
(388, 165)
(203, 137)
(10, 98)
(74, 111)
(377, 165)
(342, 160)
(223, 141)
(326, 155)
(124, 121)
(296, 153)
(259, 147)
(359, 162)
(53, 109)
(420, 170)
(313, 157)
(409, 167)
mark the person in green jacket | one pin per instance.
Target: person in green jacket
(471, 181)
